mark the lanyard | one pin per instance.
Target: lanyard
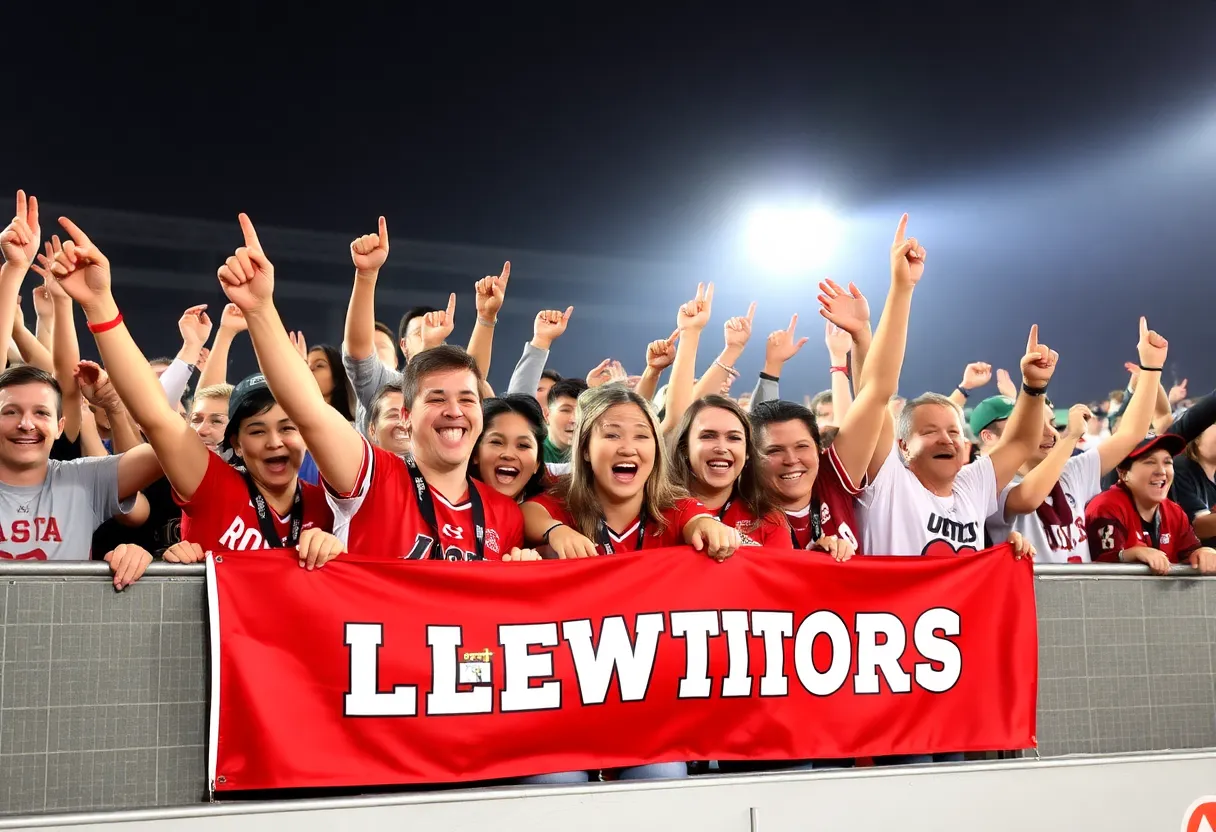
(426, 506)
(605, 540)
(270, 532)
(816, 526)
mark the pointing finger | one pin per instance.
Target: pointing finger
(505, 274)
(751, 312)
(33, 212)
(74, 232)
(709, 293)
(383, 234)
(1143, 326)
(674, 336)
(793, 324)
(21, 206)
(251, 234)
(700, 291)
(901, 228)
(1032, 343)
(451, 307)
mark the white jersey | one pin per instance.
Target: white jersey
(899, 516)
(1081, 481)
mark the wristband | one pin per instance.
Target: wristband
(1151, 369)
(483, 322)
(966, 393)
(105, 326)
(730, 371)
(1033, 391)
(545, 536)
(841, 369)
(768, 377)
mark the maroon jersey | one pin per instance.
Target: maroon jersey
(1114, 524)
(222, 517)
(638, 535)
(834, 495)
(772, 531)
(384, 516)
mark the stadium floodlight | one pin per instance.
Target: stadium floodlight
(791, 239)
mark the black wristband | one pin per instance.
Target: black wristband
(1151, 369)
(767, 377)
(1033, 391)
(966, 394)
(545, 536)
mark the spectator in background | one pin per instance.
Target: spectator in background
(1194, 486)
(335, 387)
(388, 429)
(209, 415)
(386, 349)
(563, 400)
(821, 405)
(548, 378)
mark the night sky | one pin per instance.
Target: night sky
(1057, 164)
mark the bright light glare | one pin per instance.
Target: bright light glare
(790, 240)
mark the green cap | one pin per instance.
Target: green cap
(991, 409)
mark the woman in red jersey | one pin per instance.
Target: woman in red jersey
(507, 455)
(714, 456)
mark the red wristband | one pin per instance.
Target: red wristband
(844, 370)
(102, 327)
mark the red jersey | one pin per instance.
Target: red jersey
(381, 516)
(636, 536)
(1114, 524)
(221, 516)
(772, 531)
(835, 495)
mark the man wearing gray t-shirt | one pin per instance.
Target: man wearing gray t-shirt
(49, 509)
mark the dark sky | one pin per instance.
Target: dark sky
(640, 133)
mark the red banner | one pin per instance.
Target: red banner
(373, 673)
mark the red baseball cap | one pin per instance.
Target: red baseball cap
(1171, 442)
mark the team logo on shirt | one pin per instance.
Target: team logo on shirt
(492, 541)
(946, 548)
(1165, 539)
(453, 531)
(959, 533)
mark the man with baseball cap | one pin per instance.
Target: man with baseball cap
(1135, 521)
(1046, 500)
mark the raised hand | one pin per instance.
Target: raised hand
(247, 277)
(19, 242)
(660, 354)
(80, 268)
(1152, 347)
(837, 340)
(739, 329)
(784, 343)
(232, 319)
(1039, 362)
(1005, 386)
(370, 251)
(95, 386)
(848, 310)
(44, 303)
(1178, 392)
(976, 374)
(203, 355)
(1078, 416)
(491, 290)
(694, 315)
(907, 256)
(437, 326)
(550, 325)
(297, 341)
(195, 326)
(606, 372)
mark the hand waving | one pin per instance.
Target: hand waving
(660, 354)
(848, 310)
(694, 315)
(739, 329)
(1005, 386)
(370, 251)
(490, 292)
(1039, 362)
(80, 267)
(247, 277)
(1152, 347)
(784, 343)
(437, 326)
(907, 257)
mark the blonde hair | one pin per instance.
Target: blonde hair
(577, 488)
(213, 391)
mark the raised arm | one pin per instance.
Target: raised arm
(65, 350)
(1139, 412)
(975, 375)
(489, 292)
(862, 430)
(1025, 428)
(83, 272)
(32, 350)
(839, 344)
(850, 311)
(18, 244)
(369, 253)
(690, 321)
(232, 322)
(247, 278)
(1030, 493)
(659, 356)
(736, 331)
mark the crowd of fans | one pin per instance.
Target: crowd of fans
(331, 449)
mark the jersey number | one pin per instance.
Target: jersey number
(422, 550)
(1107, 534)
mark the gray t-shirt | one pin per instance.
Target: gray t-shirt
(367, 376)
(56, 520)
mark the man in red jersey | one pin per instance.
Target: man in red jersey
(425, 506)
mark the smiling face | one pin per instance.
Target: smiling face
(1149, 478)
(935, 446)
(508, 455)
(621, 452)
(561, 422)
(209, 419)
(445, 419)
(29, 425)
(388, 429)
(271, 448)
(790, 461)
(717, 449)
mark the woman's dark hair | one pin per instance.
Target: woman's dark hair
(768, 413)
(342, 399)
(529, 408)
(255, 403)
(752, 488)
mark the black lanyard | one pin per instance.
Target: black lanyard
(1153, 527)
(816, 526)
(605, 539)
(270, 532)
(426, 506)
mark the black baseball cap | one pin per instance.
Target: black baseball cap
(248, 388)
